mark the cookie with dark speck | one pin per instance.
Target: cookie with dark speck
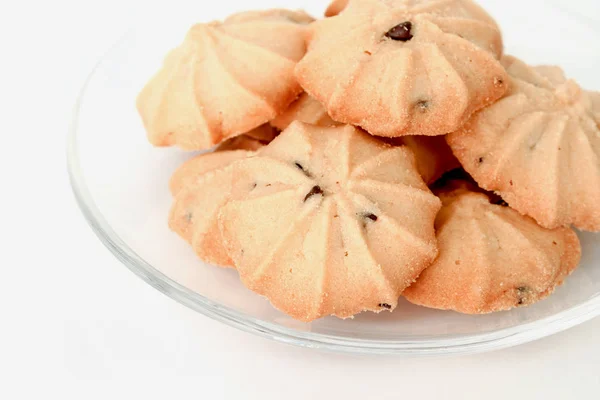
(330, 221)
(423, 69)
(201, 185)
(506, 260)
(538, 147)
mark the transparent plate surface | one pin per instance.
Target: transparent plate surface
(121, 184)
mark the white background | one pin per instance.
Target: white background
(77, 324)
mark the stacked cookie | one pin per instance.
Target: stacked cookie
(390, 149)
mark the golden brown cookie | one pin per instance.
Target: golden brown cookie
(305, 109)
(538, 147)
(492, 258)
(195, 211)
(226, 79)
(329, 221)
(400, 67)
(202, 185)
(336, 7)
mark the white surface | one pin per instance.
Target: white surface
(79, 325)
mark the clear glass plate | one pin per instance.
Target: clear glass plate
(120, 182)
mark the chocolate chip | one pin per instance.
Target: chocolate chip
(401, 32)
(481, 160)
(301, 168)
(554, 243)
(385, 305)
(498, 81)
(371, 216)
(313, 192)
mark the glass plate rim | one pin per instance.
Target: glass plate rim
(451, 345)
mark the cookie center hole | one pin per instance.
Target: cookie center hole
(322, 186)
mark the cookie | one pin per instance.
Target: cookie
(538, 147)
(491, 258)
(433, 155)
(399, 67)
(305, 109)
(194, 213)
(329, 221)
(202, 185)
(336, 7)
(226, 153)
(226, 79)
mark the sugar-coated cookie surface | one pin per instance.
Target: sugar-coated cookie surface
(329, 221)
(225, 79)
(404, 67)
(191, 171)
(538, 147)
(491, 258)
(202, 185)
(305, 109)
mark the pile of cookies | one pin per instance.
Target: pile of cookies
(390, 149)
